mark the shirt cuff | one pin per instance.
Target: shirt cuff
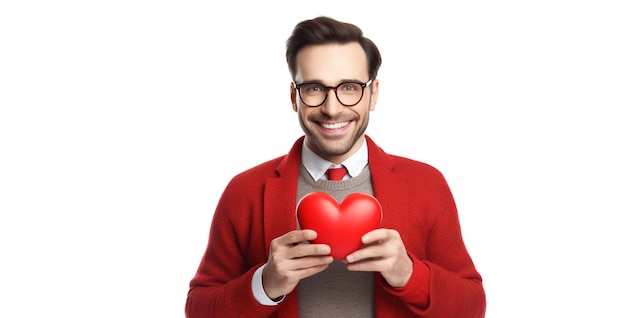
(257, 289)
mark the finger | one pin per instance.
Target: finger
(368, 253)
(376, 235)
(305, 250)
(367, 265)
(297, 236)
(316, 268)
(306, 262)
(303, 264)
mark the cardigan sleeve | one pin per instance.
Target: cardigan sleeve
(455, 286)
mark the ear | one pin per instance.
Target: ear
(373, 94)
(293, 93)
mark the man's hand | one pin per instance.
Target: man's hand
(383, 252)
(289, 262)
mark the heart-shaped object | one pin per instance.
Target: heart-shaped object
(340, 226)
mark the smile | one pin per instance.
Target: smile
(335, 125)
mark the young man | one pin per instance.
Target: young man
(258, 262)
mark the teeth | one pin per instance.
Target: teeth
(335, 125)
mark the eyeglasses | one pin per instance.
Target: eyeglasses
(347, 93)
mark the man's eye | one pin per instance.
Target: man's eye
(314, 88)
(349, 87)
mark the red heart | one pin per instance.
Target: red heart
(339, 226)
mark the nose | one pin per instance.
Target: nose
(331, 105)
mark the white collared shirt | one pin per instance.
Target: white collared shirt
(317, 166)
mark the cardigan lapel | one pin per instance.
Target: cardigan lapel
(390, 188)
(279, 204)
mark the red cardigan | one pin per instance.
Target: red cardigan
(258, 205)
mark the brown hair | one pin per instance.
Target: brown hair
(325, 30)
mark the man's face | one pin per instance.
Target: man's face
(332, 130)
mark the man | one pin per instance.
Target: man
(258, 263)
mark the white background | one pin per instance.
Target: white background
(122, 121)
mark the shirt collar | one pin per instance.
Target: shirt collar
(317, 166)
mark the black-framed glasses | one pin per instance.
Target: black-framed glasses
(347, 93)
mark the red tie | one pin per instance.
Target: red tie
(336, 174)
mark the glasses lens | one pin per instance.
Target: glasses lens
(350, 93)
(312, 94)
